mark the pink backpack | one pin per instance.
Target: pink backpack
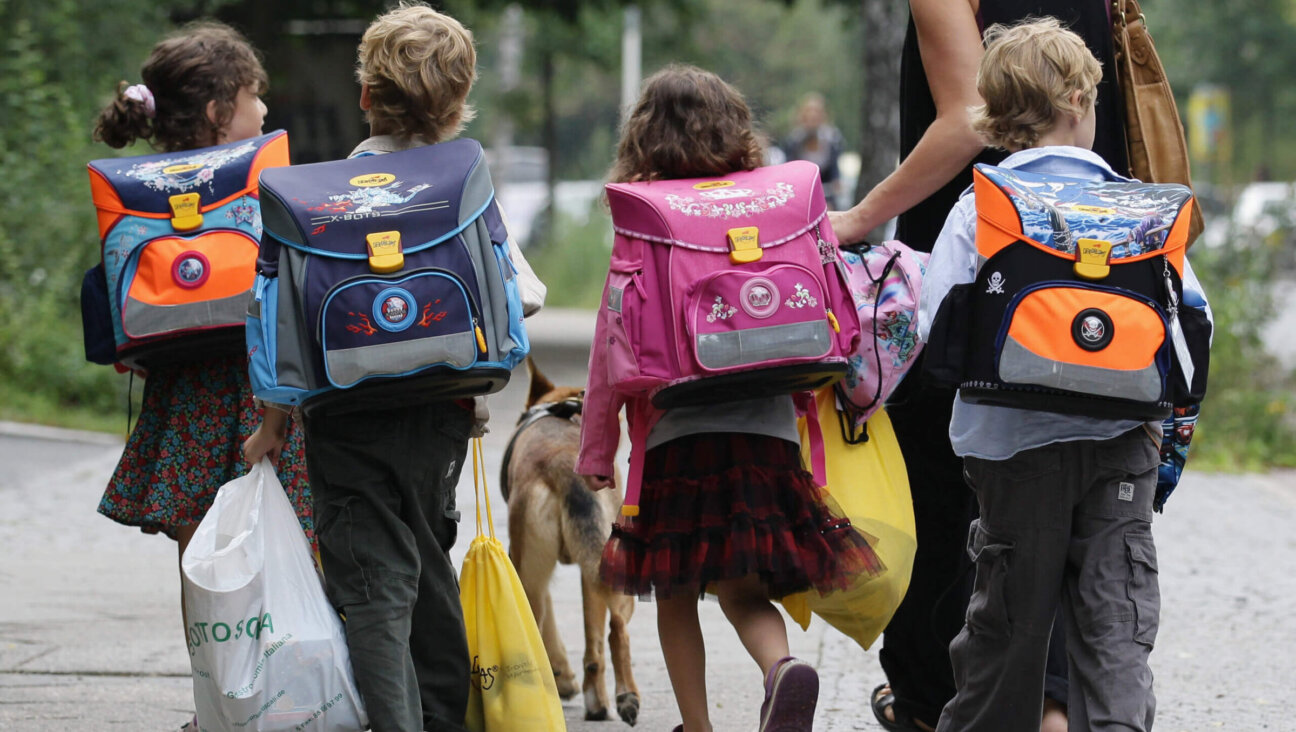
(885, 282)
(725, 288)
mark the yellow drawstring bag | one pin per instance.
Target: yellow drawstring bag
(512, 683)
(869, 483)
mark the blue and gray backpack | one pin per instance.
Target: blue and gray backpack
(383, 280)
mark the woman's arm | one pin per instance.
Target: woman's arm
(950, 44)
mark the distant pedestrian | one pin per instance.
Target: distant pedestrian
(1065, 501)
(814, 138)
(725, 506)
(201, 87)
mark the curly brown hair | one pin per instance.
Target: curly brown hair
(688, 123)
(203, 62)
(419, 66)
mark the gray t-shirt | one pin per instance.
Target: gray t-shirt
(771, 416)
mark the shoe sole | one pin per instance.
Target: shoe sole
(793, 699)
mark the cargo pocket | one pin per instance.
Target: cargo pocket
(1143, 589)
(987, 612)
(344, 580)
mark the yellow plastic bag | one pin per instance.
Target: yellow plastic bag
(871, 486)
(513, 685)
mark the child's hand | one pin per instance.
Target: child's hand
(597, 482)
(268, 439)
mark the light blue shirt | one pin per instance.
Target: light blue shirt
(998, 433)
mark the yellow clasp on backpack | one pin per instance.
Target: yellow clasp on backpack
(1091, 258)
(744, 245)
(385, 252)
(185, 215)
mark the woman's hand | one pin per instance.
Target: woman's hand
(850, 226)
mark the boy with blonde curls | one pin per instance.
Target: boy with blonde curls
(384, 479)
(1066, 501)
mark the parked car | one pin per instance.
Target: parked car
(1263, 213)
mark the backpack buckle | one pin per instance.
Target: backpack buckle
(185, 215)
(1091, 258)
(744, 245)
(385, 252)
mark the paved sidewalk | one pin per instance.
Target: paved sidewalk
(90, 633)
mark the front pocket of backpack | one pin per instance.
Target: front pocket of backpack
(1090, 340)
(373, 327)
(624, 307)
(175, 284)
(777, 316)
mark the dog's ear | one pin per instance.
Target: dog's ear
(539, 384)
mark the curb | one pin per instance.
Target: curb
(57, 434)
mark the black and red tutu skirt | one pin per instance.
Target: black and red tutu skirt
(721, 506)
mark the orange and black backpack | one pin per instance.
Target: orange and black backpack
(1078, 302)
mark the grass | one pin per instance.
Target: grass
(40, 407)
(573, 262)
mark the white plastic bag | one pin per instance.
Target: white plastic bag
(267, 649)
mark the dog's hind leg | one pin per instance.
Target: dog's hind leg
(627, 691)
(596, 611)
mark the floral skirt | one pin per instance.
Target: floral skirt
(721, 506)
(187, 444)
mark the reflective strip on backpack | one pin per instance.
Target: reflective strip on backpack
(753, 345)
(142, 320)
(348, 366)
(1018, 365)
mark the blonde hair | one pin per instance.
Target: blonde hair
(419, 65)
(1027, 77)
(688, 123)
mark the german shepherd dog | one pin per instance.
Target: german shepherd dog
(554, 517)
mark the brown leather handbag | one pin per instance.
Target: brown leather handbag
(1154, 135)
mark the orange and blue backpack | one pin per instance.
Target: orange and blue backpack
(178, 234)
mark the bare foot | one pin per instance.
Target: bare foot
(1055, 717)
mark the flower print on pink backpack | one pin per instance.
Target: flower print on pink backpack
(885, 281)
(725, 288)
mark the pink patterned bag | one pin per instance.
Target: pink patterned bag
(726, 288)
(885, 281)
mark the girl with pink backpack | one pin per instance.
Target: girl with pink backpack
(725, 505)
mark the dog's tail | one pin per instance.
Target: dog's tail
(590, 525)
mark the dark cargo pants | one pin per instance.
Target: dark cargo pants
(384, 486)
(1070, 520)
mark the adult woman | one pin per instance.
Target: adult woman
(938, 70)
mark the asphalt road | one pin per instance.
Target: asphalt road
(90, 632)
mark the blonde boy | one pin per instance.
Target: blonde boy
(1066, 501)
(384, 479)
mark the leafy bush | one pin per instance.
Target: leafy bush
(60, 60)
(1247, 418)
(574, 265)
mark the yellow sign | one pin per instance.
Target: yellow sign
(182, 168)
(370, 180)
(713, 184)
(1209, 126)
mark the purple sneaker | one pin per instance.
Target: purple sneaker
(791, 690)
